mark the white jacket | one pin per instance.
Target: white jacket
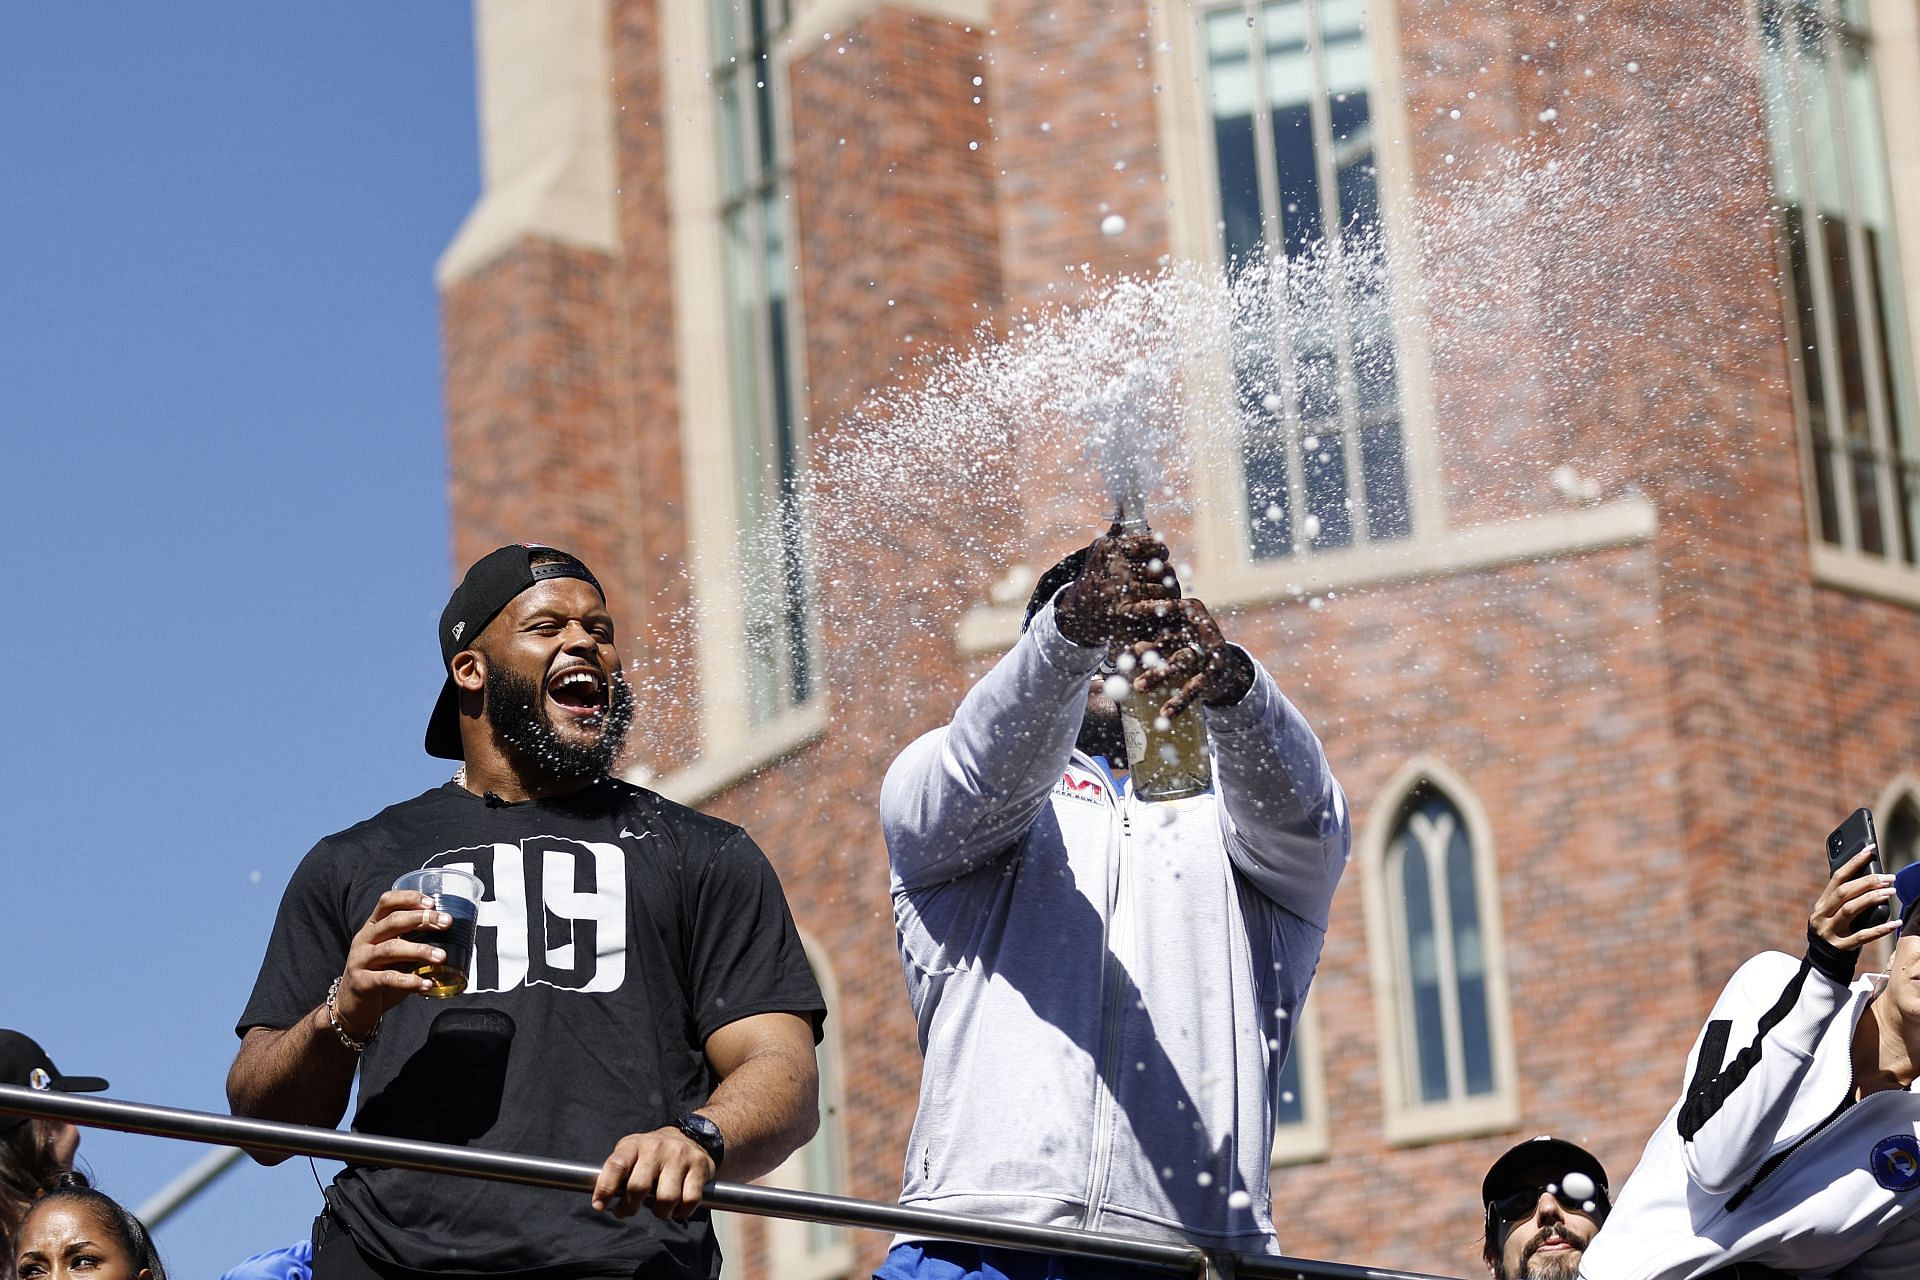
(1762, 1160)
(1106, 989)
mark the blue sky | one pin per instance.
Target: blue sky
(222, 498)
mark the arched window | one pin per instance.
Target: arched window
(813, 1250)
(1442, 953)
(1900, 832)
(1439, 976)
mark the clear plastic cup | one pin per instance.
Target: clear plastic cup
(457, 893)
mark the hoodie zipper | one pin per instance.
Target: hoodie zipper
(1778, 1158)
(1111, 990)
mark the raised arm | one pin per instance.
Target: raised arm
(1287, 828)
(964, 793)
(1731, 1118)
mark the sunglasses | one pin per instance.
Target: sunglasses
(1519, 1203)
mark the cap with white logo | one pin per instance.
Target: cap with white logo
(23, 1062)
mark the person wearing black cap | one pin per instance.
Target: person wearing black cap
(32, 1151)
(636, 983)
(1543, 1201)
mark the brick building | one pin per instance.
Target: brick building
(1592, 556)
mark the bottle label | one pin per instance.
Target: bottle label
(1136, 736)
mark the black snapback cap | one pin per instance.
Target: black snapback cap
(23, 1062)
(1555, 1157)
(490, 586)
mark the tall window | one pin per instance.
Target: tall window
(1289, 96)
(1446, 1023)
(756, 186)
(1853, 370)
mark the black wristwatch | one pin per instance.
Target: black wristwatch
(706, 1133)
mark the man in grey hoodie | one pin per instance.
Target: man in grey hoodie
(1106, 989)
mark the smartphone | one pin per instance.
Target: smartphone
(1847, 839)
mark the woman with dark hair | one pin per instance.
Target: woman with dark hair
(32, 1152)
(76, 1233)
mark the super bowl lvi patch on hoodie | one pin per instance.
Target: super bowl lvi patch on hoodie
(1896, 1162)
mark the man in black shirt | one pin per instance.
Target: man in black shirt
(637, 984)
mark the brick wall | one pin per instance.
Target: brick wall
(534, 376)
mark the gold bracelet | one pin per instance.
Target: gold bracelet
(333, 1020)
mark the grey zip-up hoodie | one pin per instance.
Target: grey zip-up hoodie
(1105, 989)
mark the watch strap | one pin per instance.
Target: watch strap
(704, 1132)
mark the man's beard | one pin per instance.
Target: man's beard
(1101, 734)
(516, 707)
(1558, 1266)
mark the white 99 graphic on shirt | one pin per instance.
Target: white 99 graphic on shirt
(554, 914)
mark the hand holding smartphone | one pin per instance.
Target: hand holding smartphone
(1843, 844)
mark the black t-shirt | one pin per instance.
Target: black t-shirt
(618, 931)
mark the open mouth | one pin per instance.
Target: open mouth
(580, 693)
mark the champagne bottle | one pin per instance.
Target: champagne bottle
(1167, 759)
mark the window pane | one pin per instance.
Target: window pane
(733, 162)
(1862, 470)
(1383, 459)
(1329, 511)
(763, 125)
(1230, 84)
(1423, 987)
(1469, 958)
(1269, 516)
(1826, 142)
(1790, 185)
(725, 18)
(1291, 1108)
(1888, 315)
(743, 323)
(1342, 23)
(1812, 377)
(1289, 85)
(1257, 384)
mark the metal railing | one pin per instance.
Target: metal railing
(770, 1202)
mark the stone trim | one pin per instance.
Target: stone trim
(1865, 575)
(724, 763)
(544, 77)
(812, 21)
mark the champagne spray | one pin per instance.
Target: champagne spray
(1167, 758)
